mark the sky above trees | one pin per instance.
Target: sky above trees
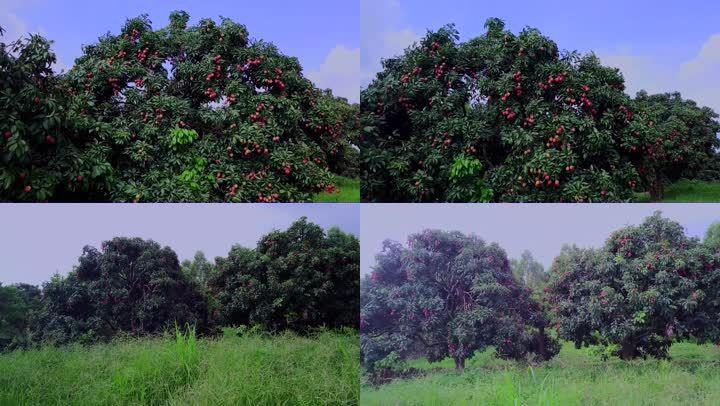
(540, 228)
(40, 240)
(659, 46)
(322, 34)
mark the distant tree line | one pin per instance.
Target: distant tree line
(298, 279)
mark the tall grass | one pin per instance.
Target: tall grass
(574, 377)
(180, 369)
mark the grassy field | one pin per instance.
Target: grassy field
(230, 370)
(574, 377)
(687, 191)
(349, 192)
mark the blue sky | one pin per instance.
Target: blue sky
(540, 228)
(38, 240)
(659, 45)
(323, 34)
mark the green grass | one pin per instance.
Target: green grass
(574, 377)
(230, 370)
(687, 191)
(349, 192)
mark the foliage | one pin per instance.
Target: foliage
(529, 271)
(448, 295)
(199, 269)
(18, 304)
(678, 139)
(182, 113)
(712, 235)
(650, 285)
(545, 126)
(130, 286)
(294, 279)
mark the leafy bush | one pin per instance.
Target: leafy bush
(176, 114)
(295, 279)
(448, 295)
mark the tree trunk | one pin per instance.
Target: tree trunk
(541, 343)
(459, 364)
(627, 350)
(657, 189)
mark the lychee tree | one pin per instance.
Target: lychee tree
(297, 279)
(639, 293)
(184, 113)
(446, 294)
(678, 139)
(535, 124)
(129, 286)
(41, 155)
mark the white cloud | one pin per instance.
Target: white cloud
(383, 35)
(11, 23)
(340, 72)
(695, 79)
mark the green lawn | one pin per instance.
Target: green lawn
(687, 191)
(230, 370)
(349, 192)
(574, 377)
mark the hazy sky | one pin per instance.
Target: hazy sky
(659, 45)
(540, 228)
(37, 240)
(323, 34)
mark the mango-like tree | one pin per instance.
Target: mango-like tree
(129, 286)
(639, 293)
(296, 279)
(446, 294)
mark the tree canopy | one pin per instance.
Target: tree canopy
(129, 286)
(182, 113)
(505, 117)
(448, 295)
(295, 279)
(649, 286)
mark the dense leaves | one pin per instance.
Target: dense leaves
(129, 286)
(650, 285)
(506, 117)
(678, 139)
(181, 113)
(529, 271)
(448, 295)
(18, 304)
(294, 279)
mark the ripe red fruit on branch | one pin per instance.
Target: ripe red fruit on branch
(8, 135)
(50, 139)
(27, 189)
